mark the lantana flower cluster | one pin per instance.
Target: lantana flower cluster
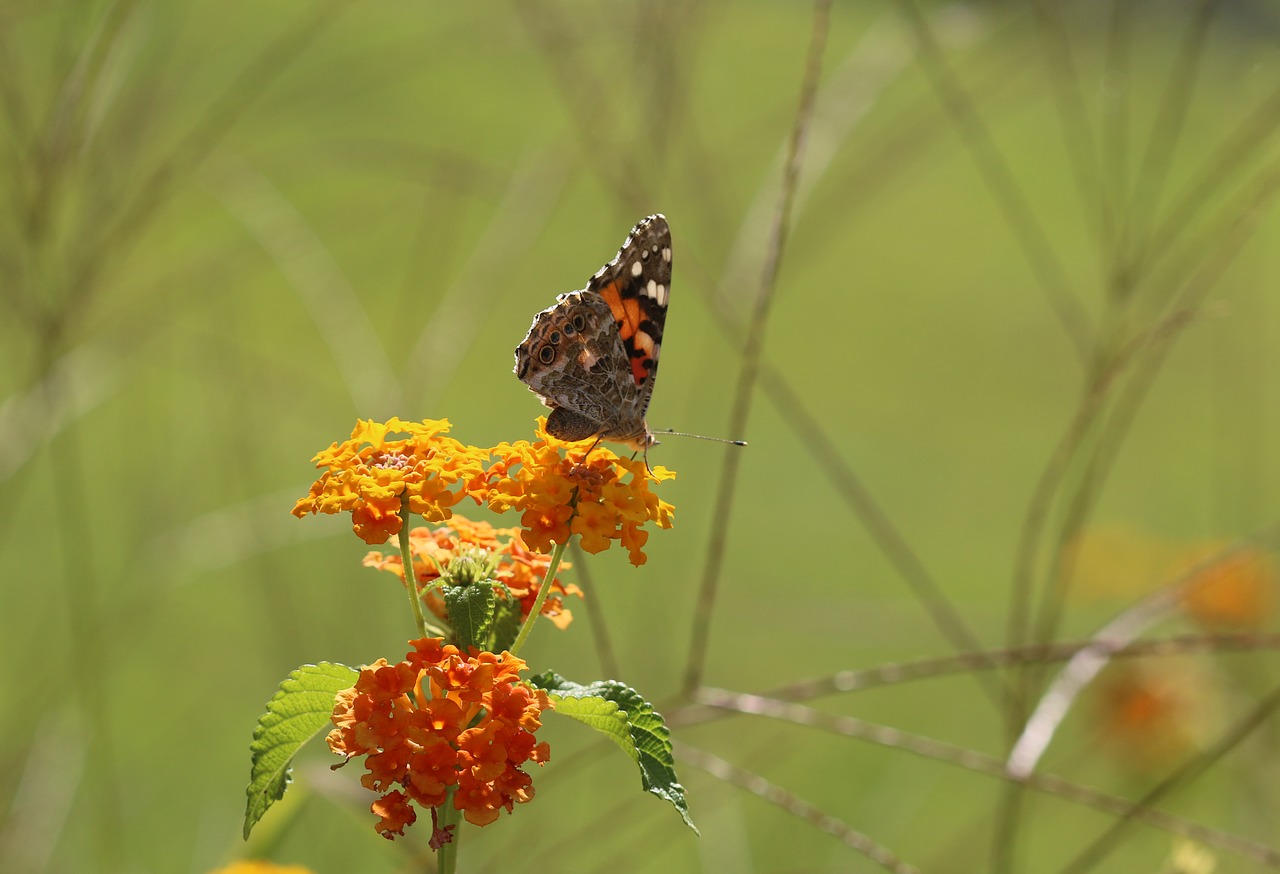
(602, 498)
(442, 720)
(519, 569)
(559, 488)
(373, 476)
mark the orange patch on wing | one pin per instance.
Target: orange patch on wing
(626, 312)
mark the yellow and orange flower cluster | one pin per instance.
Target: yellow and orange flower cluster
(519, 569)
(373, 476)
(442, 719)
(602, 498)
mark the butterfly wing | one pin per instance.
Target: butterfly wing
(593, 356)
(573, 360)
(636, 285)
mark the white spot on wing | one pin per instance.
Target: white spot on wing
(666, 254)
(661, 296)
(651, 289)
(636, 269)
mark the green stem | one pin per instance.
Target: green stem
(543, 591)
(410, 575)
(447, 855)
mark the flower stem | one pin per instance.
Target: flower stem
(543, 591)
(447, 855)
(410, 575)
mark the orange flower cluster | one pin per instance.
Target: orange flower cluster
(602, 498)
(437, 720)
(1238, 591)
(520, 569)
(559, 496)
(370, 476)
(1153, 713)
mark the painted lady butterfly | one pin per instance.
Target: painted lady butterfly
(593, 356)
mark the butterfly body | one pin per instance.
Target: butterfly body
(592, 357)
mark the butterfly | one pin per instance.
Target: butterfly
(592, 357)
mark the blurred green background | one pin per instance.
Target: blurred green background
(230, 229)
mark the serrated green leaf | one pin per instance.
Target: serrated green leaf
(296, 713)
(470, 613)
(621, 713)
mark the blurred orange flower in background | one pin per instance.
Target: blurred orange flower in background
(1236, 592)
(1154, 713)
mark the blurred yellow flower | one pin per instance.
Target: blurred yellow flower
(374, 472)
(1115, 560)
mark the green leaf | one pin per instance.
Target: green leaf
(506, 622)
(470, 613)
(619, 712)
(299, 710)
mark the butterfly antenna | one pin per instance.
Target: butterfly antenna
(668, 431)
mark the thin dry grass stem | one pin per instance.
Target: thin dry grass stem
(1043, 494)
(599, 624)
(460, 310)
(793, 804)
(981, 763)
(1170, 121)
(868, 68)
(895, 674)
(1074, 121)
(1116, 636)
(1149, 358)
(1171, 272)
(1187, 773)
(1136, 353)
(1115, 138)
(334, 305)
(805, 425)
(554, 36)
(1022, 220)
(1236, 151)
(851, 89)
(841, 477)
(748, 374)
(112, 245)
(905, 140)
(62, 272)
